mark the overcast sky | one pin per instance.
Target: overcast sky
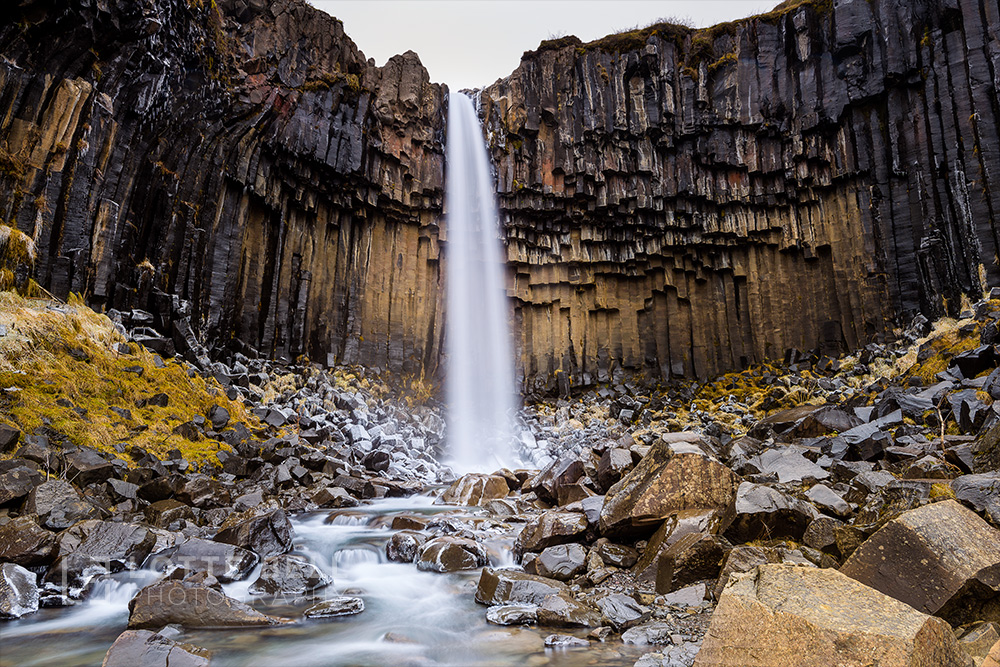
(471, 43)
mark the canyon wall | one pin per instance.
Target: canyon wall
(679, 202)
(676, 202)
(243, 157)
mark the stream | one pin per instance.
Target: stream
(410, 618)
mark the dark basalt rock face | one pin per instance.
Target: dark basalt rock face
(683, 202)
(236, 168)
(676, 202)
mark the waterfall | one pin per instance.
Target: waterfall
(480, 372)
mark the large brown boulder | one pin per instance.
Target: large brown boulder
(192, 606)
(551, 528)
(787, 616)
(24, 542)
(474, 489)
(512, 586)
(150, 649)
(266, 534)
(451, 554)
(668, 479)
(941, 559)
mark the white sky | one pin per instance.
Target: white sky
(471, 43)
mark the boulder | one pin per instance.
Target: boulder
(826, 499)
(653, 632)
(474, 489)
(167, 513)
(743, 558)
(25, 543)
(86, 466)
(193, 606)
(512, 614)
(779, 615)
(224, 561)
(288, 574)
(18, 592)
(693, 557)
(57, 504)
(617, 555)
(980, 492)
(512, 586)
(119, 545)
(551, 528)
(403, 546)
(564, 611)
(664, 482)
(451, 554)
(940, 559)
(202, 491)
(340, 605)
(150, 649)
(547, 483)
(334, 497)
(17, 482)
(70, 575)
(621, 611)
(764, 512)
(789, 464)
(8, 438)
(615, 463)
(266, 534)
(562, 561)
(565, 641)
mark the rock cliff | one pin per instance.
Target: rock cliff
(676, 202)
(237, 168)
(679, 202)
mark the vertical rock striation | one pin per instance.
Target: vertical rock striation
(682, 202)
(239, 169)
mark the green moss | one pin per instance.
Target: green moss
(729, 58)
(11, 166)
(553, 45)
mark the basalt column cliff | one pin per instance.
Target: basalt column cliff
(676, 202)
(681, 202)
(243, 157)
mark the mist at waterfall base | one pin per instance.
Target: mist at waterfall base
(480, 371)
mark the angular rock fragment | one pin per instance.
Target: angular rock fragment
(511, 586)
(474, 489)
(288, 574)
(551, 528)
(341, 605)
(451, 554)
(18, 592)
(621, 611)
(512, 614)
(764, 512)
(151, 649)
(193, 606)
(779, 615)
(224, 561)
(265, 534)
(403, 546)
(562, 561)
(25, 543)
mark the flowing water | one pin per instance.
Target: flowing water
(410, 617)
(480, 380)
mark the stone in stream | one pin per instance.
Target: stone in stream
(288, 574)
(193, 606)
(145, 648)
(341, 605)
(450, 554)
(564, 611)
(503, 586)
(25, 543)
(669, 478)
(562, 562)
(787, 616)
(224, 561)
(941, 559)
(403, 546)
(512, 614)
(565, 641)
(266, 534)
(551, 528)
(474, 489)
(334, 497)
(18, 592)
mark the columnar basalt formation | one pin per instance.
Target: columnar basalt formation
(682, 202)
(243, 157)
(676, 202)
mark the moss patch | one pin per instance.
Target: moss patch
(59, 368)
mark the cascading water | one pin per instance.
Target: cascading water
(480, 384)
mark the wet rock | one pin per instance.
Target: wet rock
(151, 649)
(551, 528)
(512, 586)
(451, 554)
(941, 559)
(18, 593)
(334, 497)
(561, 562)
(288, 574)
(474, 489)
(17, 482)
(512, 614)
(654, 632)
(165, 513)
(693, 557)
(70, 576)
(334, 607)
(564, 611)
(403, 546)
(224, 561)
(192, 606)
(120, 545)
(764, 512)
(565, 641)
(548, 482)
(621, 611)
(265, 534)
(780, 615)
(980, 492)
(25, 543)
(615, 463)
(662, 483)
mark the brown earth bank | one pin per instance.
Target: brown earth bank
(676, 202)
(831, 511)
